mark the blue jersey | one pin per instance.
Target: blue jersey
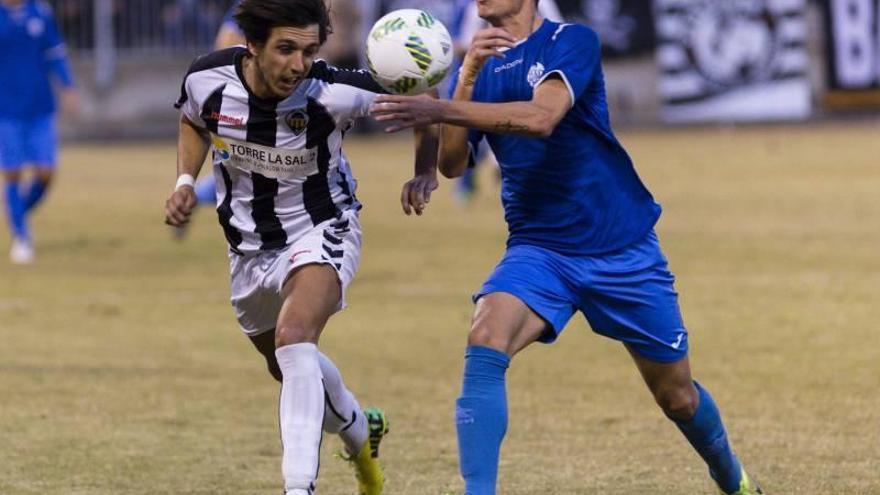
(575, 192)
(30, 50)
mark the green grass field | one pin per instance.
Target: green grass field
(122, 370)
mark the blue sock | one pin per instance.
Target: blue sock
(705, 432)
(206, 191)
(481, 418)
(467, 183)
(35, 193)
(15, 210)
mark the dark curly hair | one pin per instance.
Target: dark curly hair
(256, 18)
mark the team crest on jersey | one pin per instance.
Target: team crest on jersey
(535, 73)
(35, 27)
(297, 120)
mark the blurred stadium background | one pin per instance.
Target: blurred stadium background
(755, 124)
(670, 60)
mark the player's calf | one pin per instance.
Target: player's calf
(265, 344)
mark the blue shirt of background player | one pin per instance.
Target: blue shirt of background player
(30, 50)
(575, 192)
(229, 18)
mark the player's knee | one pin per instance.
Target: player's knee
(679, 403)
(44, 175)
(295, 333)
(483, 334)
(11, 176)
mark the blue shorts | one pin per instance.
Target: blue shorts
(28, 142)
(627, 295)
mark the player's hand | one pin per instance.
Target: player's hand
(180, 206)
(487, 43)
(416, 193)
(70, 103)
(408, 111)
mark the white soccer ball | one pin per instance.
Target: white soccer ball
(409, 51)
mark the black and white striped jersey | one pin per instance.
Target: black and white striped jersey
(279, 164)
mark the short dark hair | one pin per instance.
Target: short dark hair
(256, 18)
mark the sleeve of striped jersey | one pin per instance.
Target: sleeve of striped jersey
(187, 104)
(354, 86)
(574, 56)
(360, 79)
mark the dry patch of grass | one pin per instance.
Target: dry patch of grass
(122, 370)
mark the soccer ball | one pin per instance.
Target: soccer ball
(409, 51)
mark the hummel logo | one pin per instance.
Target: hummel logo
(293, 258)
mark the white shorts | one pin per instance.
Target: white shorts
(257, 279)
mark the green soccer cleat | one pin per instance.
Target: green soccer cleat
(746, 486)
(367, 469)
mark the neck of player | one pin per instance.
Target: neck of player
(254, 78)
(520, 24)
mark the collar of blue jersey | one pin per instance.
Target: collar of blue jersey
(546, 22)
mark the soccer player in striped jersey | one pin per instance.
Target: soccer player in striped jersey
(32, 55)
(581, 231)
(276, 118)
(230, 35)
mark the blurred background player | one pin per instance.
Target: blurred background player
(581, 231)
(33, 56)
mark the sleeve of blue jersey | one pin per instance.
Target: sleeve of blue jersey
(575, 56)
(54, 49)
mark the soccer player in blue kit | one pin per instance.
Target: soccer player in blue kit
(581, 231)
(32, 53)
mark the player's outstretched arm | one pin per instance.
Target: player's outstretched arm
(416, 192)
(453, 156)
(535, 118)
(193, 144)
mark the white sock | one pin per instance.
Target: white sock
(301, 412)
(343, 414)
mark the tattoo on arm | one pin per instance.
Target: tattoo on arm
(510, 128)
